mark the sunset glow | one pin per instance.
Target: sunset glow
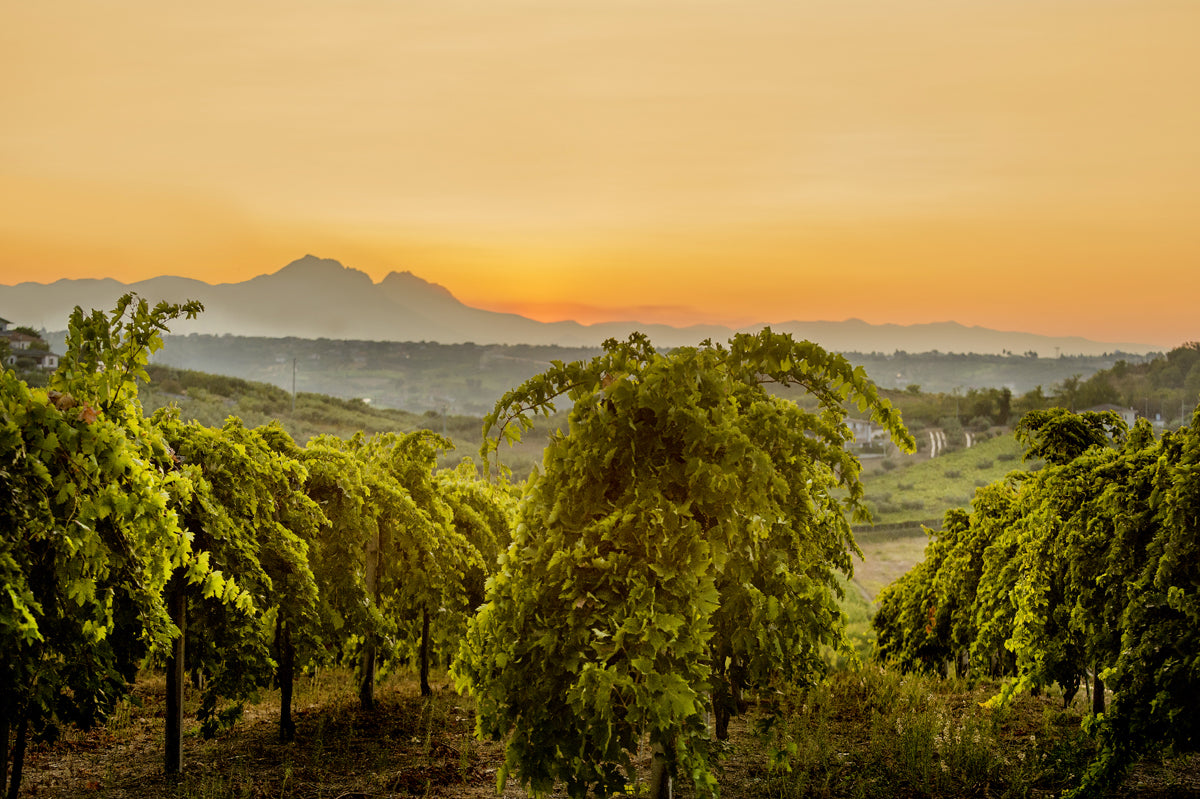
(1027, 165)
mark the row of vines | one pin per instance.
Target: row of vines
(231, 555)
(1084, 572)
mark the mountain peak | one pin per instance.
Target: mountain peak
(310, 266)
(399, 283)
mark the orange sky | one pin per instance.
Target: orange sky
(1024, 164)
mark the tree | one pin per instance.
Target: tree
(390, 552)
(107, 353)
(421, 556)
(337, 482)
(297, 621)
(682, 543)
(251, 519)
(1156, 676)
(1094, 568)
(1058, 436)
(90, 538)
(482, 514)
(953, 606)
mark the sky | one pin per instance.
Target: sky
(1027, 165)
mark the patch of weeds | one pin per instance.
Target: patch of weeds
(876, 733)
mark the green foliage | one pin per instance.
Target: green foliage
(1087, 565)
(91, 537)
(1058, 436)
(1156, 674)
(424, 556)
(107, 353)
(283, 554)
(398, 542)
(88, 529)
(482, 513)
(250, 517)
(685, 538)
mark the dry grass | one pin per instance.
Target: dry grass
(407, 746)
(862, 734)
(886, 560)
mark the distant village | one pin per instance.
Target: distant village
(25, 349)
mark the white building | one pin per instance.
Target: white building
(1128, 415)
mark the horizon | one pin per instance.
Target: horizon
(332, 264)
(1025, 166)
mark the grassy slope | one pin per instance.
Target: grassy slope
(211, 399)
(922, 490)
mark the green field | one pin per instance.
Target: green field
(919, 490)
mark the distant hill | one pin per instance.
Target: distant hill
(320, 298)
(470, 378)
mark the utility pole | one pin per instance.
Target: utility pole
(293, 386)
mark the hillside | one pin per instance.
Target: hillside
(922, 490)
(210, 399)
(468, 378)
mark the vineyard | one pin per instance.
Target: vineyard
(655, 611)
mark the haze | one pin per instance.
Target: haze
(1022, 165)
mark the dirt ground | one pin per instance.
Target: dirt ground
(410, 746)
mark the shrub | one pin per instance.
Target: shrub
(953, 474)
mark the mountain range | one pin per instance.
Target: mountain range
(320, 298)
